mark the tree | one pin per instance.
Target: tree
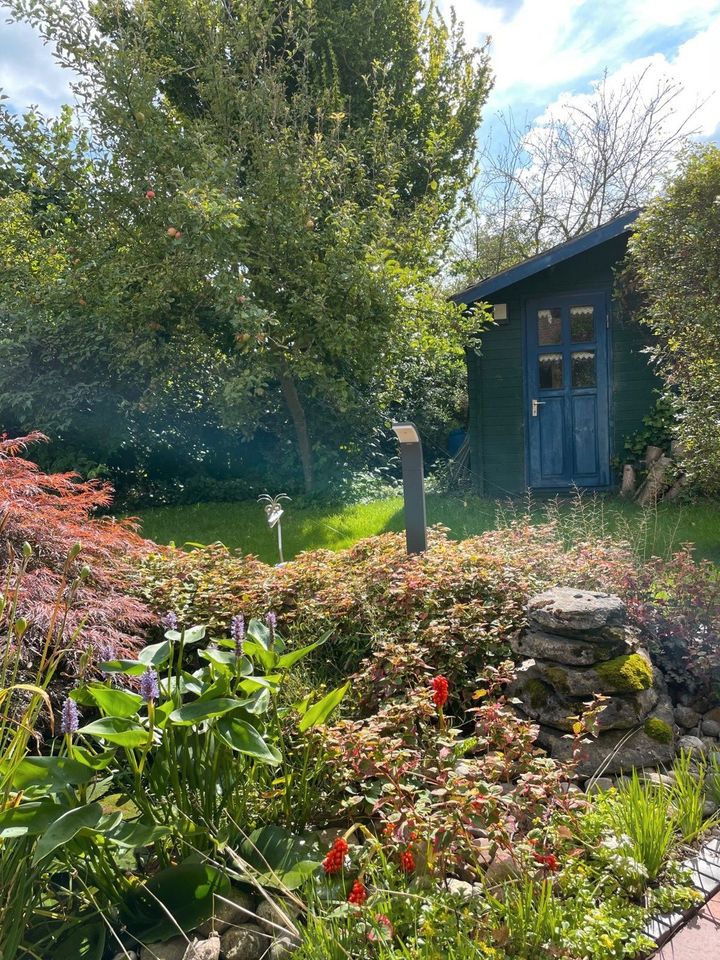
(250, 232)
(582, 163)
(675, 265)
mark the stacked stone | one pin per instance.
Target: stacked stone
(578, 643)
(246, 929)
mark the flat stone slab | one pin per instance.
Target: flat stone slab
(576, 613)
(699, 939)
(538, 645)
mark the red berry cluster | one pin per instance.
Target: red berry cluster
(407, 861)
(440, 688)
(547, 860)
(333, 862)
(358, 894)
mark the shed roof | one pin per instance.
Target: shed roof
(563, 251)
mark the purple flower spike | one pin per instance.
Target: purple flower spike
(69, 718)
(271, 621)
(170, 620)
(237, 632)
(149, 688)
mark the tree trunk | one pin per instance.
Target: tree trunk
(629, 482)
(655, 483)
(301, 429)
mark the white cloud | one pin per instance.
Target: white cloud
(546, 46)
(28, 73)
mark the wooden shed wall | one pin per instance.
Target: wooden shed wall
(496, 376)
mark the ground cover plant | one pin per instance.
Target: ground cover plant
(331, 739)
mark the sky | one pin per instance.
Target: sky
(542, 51)
(545, 52)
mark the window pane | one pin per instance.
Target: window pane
(549, 326)
(551, 371)
(582, 324)
(583, 368)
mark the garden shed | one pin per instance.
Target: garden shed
(560, 380)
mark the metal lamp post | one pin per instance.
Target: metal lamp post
(413, 486)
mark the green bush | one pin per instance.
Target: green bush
(450, 610)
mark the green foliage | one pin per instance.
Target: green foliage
(250, 254)
(643, 812)
(674, 252)
(657, 430)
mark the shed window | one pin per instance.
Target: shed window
(549, 326)
(551, 371)
(582, 325)
(583, 368)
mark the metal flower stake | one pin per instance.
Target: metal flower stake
(273, 512)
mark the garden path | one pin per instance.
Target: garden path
(697, 940)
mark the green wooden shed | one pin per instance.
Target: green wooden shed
(560, 380)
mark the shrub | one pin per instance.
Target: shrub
(50, 540)
(450, 610)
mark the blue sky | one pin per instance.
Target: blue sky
(543, 51)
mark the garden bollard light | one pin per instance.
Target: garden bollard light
(413, 486)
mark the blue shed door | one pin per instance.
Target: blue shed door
(567, 379)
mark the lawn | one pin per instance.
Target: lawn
(242, 524)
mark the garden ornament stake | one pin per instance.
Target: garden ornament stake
(273, 512)
(413, 486)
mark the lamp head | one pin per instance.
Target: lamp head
(406, 432)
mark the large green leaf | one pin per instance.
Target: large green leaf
(192, 635)
(267, 658)
(320, 711)
(200, 710)
(29, 818)
(134, 835)
(121, 730)
(290, 659)
(65, 828)
(50, 773)
(224, 659)
(281, 858)
(113, 701)
(185, 892)
(131, 668)
(156, 654)
(83, 943)
(244, 738)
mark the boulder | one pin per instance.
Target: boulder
(538, 645)
(710, 728)
(169, 950)
(540, 702)
(713, 715)
(631, 673)
(282, 948)
(241, 910)
(204, 949)
(686, 717)
(581, 614)
(271, 916)
(650, 745)
(248, 942)
(692, 745)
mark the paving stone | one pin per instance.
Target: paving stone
(699, 939)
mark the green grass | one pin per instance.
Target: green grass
(243, 525)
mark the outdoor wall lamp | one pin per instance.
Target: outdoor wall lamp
(413, 486)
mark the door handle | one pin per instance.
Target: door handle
(535, 405)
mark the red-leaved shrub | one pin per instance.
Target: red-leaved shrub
(70, 572)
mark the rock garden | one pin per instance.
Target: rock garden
(505, 747)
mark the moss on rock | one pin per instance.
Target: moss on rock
(658, 730)
(537, 693)
(558, 678)
(627, 674)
